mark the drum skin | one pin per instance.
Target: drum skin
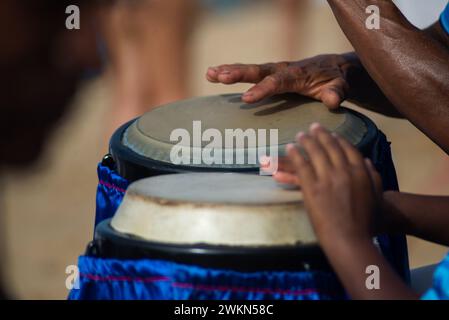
(140, 148)
(214, 208)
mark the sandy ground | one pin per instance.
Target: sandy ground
(50, 207)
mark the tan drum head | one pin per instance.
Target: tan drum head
(215, 209)
(149, 136)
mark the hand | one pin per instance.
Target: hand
(323, 78)
(341, 189)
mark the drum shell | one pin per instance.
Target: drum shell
(109, 243)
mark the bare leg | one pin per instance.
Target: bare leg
(291, 15)
(147, 44)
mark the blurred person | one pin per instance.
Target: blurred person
(397, 70)
(41, 64)
(147, 48)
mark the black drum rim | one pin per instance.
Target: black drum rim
(133, 166)
(109, 243)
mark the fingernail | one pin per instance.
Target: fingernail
(300, 135)
(264, 161)
(248, 94)
(315, 125)
(225, 72)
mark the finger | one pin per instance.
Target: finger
(247, 73)
(352, 154)
(283, 164)
(317, 156)
(330, 145)
(375, 176)
(304, 169)
(334, 93)
(287, 178)
(269, 86)
(212, 74)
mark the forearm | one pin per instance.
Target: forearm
(436, 32)
(410, 68)
(426, 217)
(350, 260)
(363, 91)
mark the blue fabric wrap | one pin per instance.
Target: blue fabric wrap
(440, 286)
(153, 279)
(110, 191)
(444, 19)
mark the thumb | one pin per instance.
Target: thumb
(333, 93)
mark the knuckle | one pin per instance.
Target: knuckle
(342, 177)
(274, 80)
(296, 70)
(316, 189)
(359, 171)
(282, 65)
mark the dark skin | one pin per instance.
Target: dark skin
(397, 71)
(341, 193)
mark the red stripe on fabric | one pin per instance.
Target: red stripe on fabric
(122, 278)
(183, 285)
(111, 186)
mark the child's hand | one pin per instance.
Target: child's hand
(322, 77)
(341, 189)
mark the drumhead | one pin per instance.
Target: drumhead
(143, 147)
(221, 209)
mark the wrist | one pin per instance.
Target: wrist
(351, 243)
(333, 238)
(391, 220)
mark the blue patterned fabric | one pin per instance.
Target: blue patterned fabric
(163, 280)
(444, 19)
(110, 191)
(151, 279)
(440, 288)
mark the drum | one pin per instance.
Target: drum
(143, 147)
(216, 220)
(216, 230)
(207, 236)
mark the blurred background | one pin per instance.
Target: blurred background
(153, 52)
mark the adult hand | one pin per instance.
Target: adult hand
(323, 77)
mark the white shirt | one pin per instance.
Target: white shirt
(421, 13)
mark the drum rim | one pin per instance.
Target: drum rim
(124, 156)
(310, 256)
